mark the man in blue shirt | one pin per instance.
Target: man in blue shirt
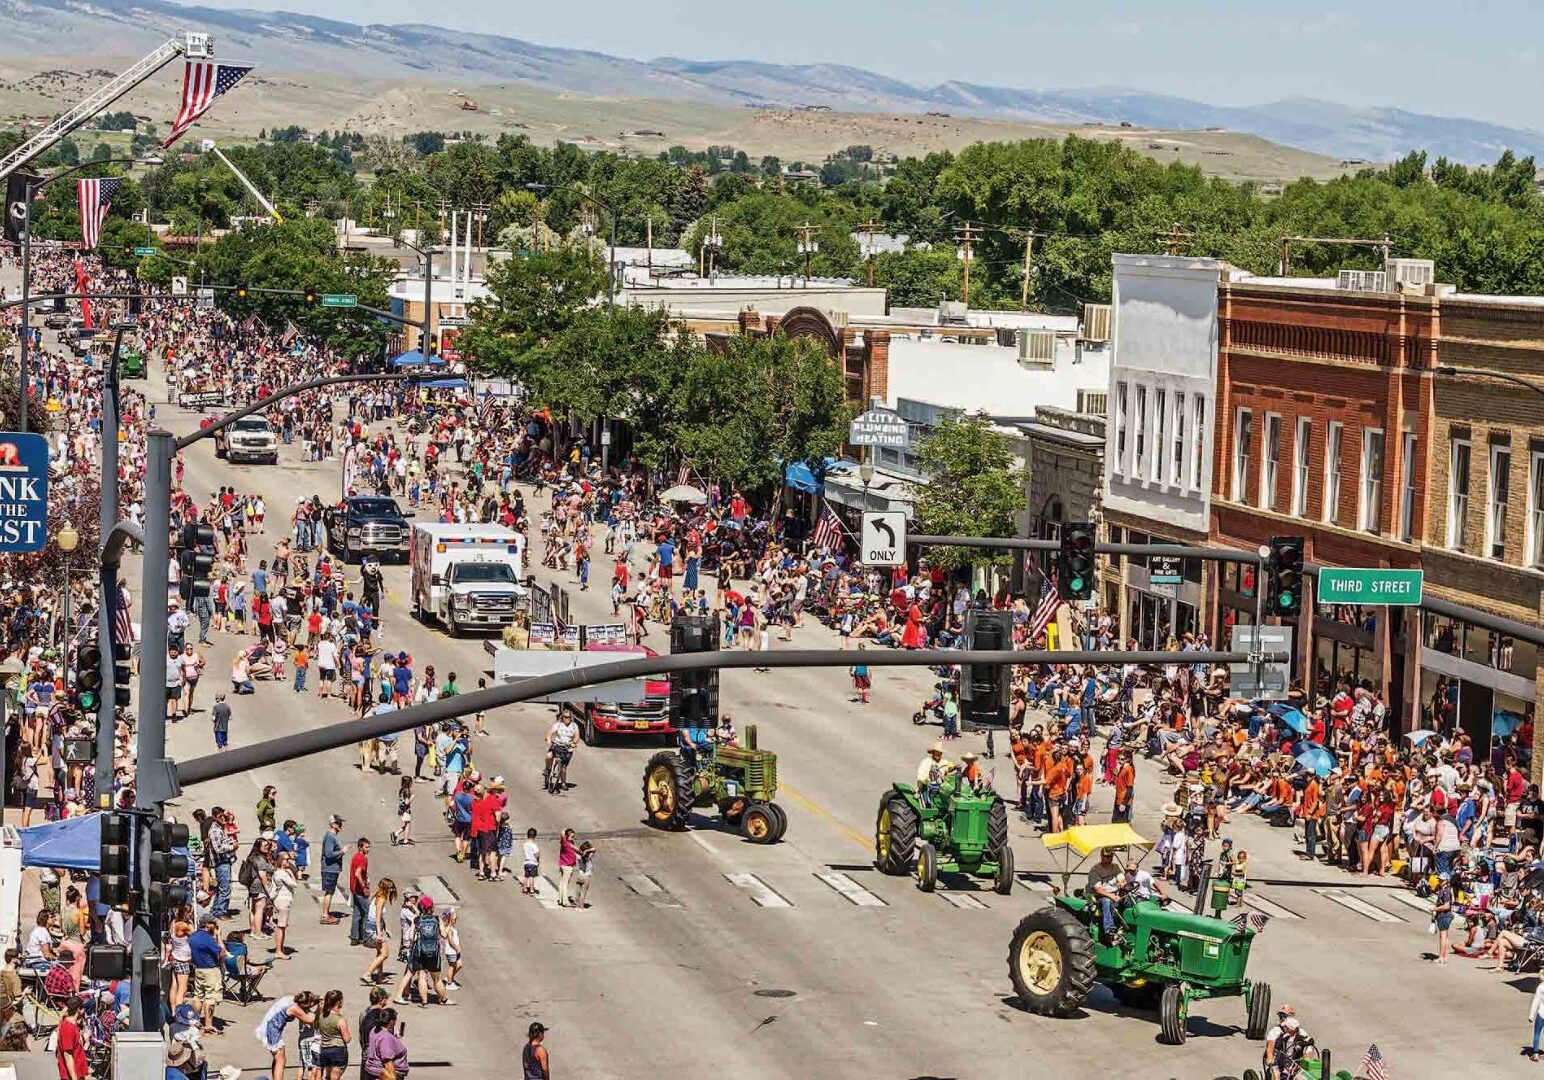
(332, 866)
(260, 578)
(207, 951)
(463, 829)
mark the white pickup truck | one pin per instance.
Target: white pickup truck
(249, 439)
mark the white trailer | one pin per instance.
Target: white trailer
(467, 576)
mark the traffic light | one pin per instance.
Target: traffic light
(241, 292)
(136, 304)
(1075, 568)
(117, 869)
(311, 296)
(122, 677)
(168, 869)
(984, 688)
(1284, 576)
(694, 694)
(88, 677)
(196, 561)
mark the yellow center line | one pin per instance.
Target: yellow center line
(821, 812)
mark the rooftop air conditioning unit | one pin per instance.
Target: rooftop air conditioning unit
(1362, 281)
(1037, 348)
(1007, 336)
(951, 311)
(1096, 322)
(1410, 273)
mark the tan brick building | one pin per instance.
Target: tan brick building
(1484, 537)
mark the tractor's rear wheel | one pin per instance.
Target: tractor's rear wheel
(1004, 883)
(1051, 962)
(1172, 1014)
(759, 823)
(996, 829)
(667, 791)
(1259, 1011)
(780, 817)
(895, 835)
(927, 868)
(731, 810)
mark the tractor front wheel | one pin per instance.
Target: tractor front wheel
(1004, 883)
(1259, 1011)
(1172, 1014)
(667, 791)
(781, 818)
(895, 835)
(1051, 962)
(927, 868)
(759, 823)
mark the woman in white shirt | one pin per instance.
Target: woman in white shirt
(282, 896)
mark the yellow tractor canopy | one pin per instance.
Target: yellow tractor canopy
(1087, 839)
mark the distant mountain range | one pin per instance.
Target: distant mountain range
(286, 41)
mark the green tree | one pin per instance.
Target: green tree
(532, 301)
(918, 278)
(974, 487)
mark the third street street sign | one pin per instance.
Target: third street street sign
(339, 300)
(879, 427)
(1395, 588)
(144, 251)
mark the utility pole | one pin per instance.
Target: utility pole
(966, 236)
(648, 227)
(710, 245)
(1175, 237)
(1384, 245)
(1029, 249)
(870, 229)
(807, 247)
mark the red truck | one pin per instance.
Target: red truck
(648, 717)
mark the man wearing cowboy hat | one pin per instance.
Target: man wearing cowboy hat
(931, 772)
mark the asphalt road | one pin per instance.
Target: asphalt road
(704, 953)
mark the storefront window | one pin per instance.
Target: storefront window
(1464, 640)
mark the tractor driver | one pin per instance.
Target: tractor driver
(1285, 1045)
(931, 773)
(1104, 886)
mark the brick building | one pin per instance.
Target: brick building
(1323, 429)
(1485, 533)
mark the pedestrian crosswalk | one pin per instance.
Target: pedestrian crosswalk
(761, 893)
(1358, 905)
(846, 886)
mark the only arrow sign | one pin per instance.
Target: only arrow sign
(884, 526)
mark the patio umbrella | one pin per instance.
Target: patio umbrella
(1294, 719)
(1315, 758)
(1418, 737)
(683, 493)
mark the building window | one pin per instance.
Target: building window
(1300, 459)
(1369, 516)
(1407, 498)
(1270, 461)
(1332, 440)
(1243, 436)
(1094, 402)
(1458, 494)
(1198, 458)
(1536, 511)
(1177, 466)
(1139, 463)
(1496, 501)
(1160, 442)
(1120, 428)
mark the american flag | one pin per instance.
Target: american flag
(829, 534)
(123, 622)
(1374, 1067)
(95, 197)
(683, 474)
(202, 82)
(290, 334)
(1050, 604)
(1251, 920)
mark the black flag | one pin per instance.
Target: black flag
(16, 203)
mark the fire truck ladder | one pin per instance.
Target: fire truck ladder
(198, 46)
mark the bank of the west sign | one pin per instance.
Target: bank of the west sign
(23, 492)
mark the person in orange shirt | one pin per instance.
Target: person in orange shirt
(1083, 788)
(1311, 811)
(1125, 785)
(1057, 779)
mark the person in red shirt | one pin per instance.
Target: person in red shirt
(359, 888)
(485, 830)
(70, 1052)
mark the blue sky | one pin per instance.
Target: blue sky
(1476, 58)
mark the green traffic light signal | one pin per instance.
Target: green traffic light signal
(88, 701)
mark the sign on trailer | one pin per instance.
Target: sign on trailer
(23, 492)
(1395, 588)
(879, 427)
(883, 538)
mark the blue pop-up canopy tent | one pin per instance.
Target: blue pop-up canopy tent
(73, 843)
(414, 358)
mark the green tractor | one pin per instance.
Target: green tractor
(131, 363)
(740, 780)
(961, 829)
(1164, 958)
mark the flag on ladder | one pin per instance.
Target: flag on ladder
(829, 534)
(202, 82)
(1374, 1067)
(123, 624)
(95, 197)
(1050, 604)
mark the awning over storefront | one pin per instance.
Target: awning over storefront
(887, 491)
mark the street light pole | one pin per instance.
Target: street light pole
(68, 540)
(1480, 373)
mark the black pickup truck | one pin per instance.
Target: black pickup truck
(367, 524)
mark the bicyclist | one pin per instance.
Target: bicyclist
(561, 740)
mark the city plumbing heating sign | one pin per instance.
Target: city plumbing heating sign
(23, 492)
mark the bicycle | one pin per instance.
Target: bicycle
(555, 776)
